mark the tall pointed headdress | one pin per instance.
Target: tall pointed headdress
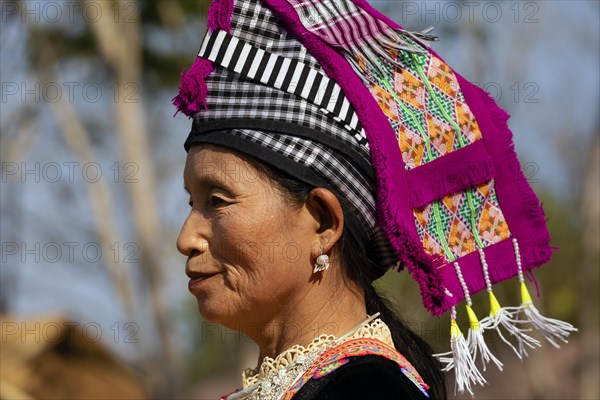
(454, 205)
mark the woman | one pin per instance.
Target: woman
(329, 145)
(253, 270)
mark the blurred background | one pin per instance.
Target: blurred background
(93, 296)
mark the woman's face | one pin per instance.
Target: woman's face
(249, 251)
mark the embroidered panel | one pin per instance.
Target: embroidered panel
(424, 104)
(461, 222)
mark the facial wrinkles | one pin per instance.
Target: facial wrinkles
(246, 238)
(253, 211)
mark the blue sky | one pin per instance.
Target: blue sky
(542, 57)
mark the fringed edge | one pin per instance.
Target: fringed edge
(385, 158)
(376, 53)
(421, 37)
(393, 40)
(434, 297)
(520, 205)
(422, 266)
(497, 136)
(219, 15)
(193, 89)
(535, 256)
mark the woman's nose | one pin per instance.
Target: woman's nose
(190, 237)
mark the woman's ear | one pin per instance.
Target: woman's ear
(327, 212)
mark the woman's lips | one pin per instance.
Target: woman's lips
(197, 281)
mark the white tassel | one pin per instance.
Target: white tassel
(477, 343)
(459, 359)
(475, 340)
(505, 317)
(552, 329)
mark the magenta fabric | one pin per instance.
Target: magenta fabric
(397, 187)
(399, 190)
(451, 173)
(192, 89)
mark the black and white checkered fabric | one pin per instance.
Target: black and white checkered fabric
(285, 74)
(289, 126)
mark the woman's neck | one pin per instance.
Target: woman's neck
(314, 314)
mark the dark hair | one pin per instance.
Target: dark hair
(360, 268)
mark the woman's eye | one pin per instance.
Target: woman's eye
(213, 201)
(216, 201)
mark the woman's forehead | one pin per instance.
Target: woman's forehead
(219, 164)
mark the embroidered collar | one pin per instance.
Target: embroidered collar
(275, 375)
(372, 329)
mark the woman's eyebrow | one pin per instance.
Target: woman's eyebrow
(206, 182)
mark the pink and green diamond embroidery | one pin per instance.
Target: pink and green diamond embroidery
(453, 226)
(425, 106)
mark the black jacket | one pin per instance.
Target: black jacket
(362, 378)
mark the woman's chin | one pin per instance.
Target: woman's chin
(212, 314)
(237, 321)
(208, 313)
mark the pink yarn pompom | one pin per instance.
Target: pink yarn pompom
(193, 89)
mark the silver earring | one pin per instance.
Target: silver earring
(322, 263)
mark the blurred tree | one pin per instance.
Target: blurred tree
(116, 43)
(589, 277)
(141, 45)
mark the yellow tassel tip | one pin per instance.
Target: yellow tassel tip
(553, 330)
(476, 342)
(455, 330)
(525, 296)
(494, 304)
(473, 320)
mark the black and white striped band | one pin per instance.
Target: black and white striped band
(284, 74)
